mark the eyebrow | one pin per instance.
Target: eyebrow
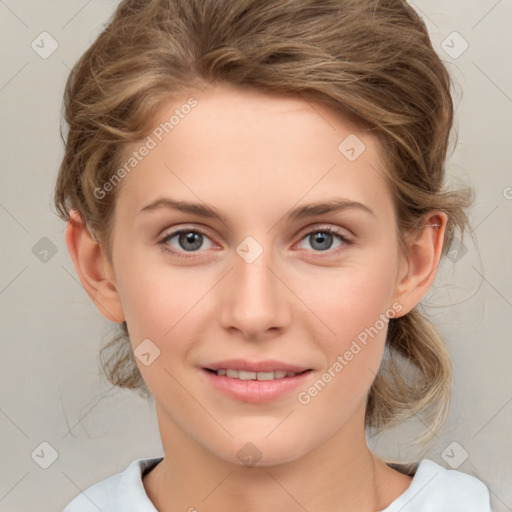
(310, 210)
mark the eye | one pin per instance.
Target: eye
(192, 239)
(187, 240)
(321, 239)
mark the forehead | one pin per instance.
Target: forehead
(254, 151)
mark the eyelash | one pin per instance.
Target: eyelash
(346, 241)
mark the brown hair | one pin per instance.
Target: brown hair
(370, 60)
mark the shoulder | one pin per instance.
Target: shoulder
(122, 491)
(434, 487)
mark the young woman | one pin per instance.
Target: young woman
(254, 191)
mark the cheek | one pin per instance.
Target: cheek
(158, 300)
(162, 305)
(355, 303)
(351, 300)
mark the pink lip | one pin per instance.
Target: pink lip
(256, 391)
(269, 365)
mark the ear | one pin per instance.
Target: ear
(93, 268)
(421, 262)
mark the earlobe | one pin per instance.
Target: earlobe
(93, 268)
(422, 261)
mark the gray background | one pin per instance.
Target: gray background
(51, 388)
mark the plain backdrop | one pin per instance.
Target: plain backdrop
(53, 399)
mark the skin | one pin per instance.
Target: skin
(254, 157)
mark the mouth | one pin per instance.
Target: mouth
(255, 382)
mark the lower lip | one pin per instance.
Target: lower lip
(256, 391)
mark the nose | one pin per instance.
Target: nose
(255, 302)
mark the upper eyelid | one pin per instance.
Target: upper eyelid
(319, 226)
(304, 232)
(172, 232)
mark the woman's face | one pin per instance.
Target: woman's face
(263, 286)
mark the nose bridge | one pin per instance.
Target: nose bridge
(257, 298)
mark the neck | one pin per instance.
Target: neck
(340, 475)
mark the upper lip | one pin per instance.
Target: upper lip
(268, 365)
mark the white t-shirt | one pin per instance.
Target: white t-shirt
(432, 489)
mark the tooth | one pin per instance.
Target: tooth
(265, 375)
(243, 375)
(247, 375)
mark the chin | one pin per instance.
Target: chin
(261, 452)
